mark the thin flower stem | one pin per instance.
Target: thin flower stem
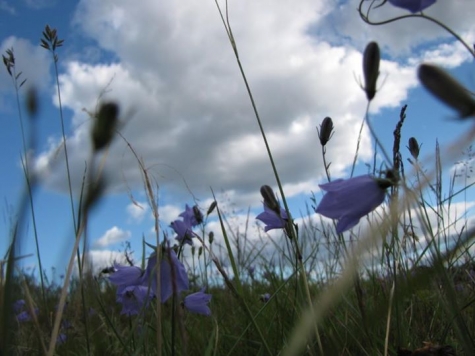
(254, 107)
(355, 157)
(63, 133)
(154, 207)
(375, 137)
(80, 261)
(325, 165)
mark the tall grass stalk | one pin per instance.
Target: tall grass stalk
(156, 218)
(291, 230)
(28, 145)
(51, 42)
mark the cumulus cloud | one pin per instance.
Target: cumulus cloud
(185, 109)
(112, 236)
(100, 259)
(137, 211)
(399, 38)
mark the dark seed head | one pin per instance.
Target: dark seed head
(212, 207)
(104, 127)
(32, 102)
(269, 199)
(414, 147)
(198, 214)
(326, 131)
(371, 60)
(447, 89)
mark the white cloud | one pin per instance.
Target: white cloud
(447, 55)
(185, 108)
(112, 236)
(137, 211)
(97, 260)
(399, 38)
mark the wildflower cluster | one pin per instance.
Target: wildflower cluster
(21, 311)
(136, 287)
(183, 228)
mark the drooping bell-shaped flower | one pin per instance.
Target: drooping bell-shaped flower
(192, 216)
(134, 299)
(348, 200)
(272, 219)
(184, 233)
(198, 302)
(413, 5)
(175, 280)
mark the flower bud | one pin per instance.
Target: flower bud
(32, 102)
(104, 125)
(371, 58)
(413, 147)
(269, 199)
(198, 214)
(200, 251)
(447, 89)
(391, 179)
(211, 237)
(212, 207)
(326, 131)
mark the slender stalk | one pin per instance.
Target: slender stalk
(63, 133)
(26, 169)
(365, 18)
(154, 206)
(327, 166)
(293, 235)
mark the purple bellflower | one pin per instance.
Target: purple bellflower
(131, 291)
(134, 299)
(349, 200)
(198, 302)
(61, 338)
(125, 276)
(192, 216)
(413, 5)
(175, 280)
(19, 305)
(22, 312)
(183, 231)
(264, 298)
(272, 220)
(135, 287)
(26, 315)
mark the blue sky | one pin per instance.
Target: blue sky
(185, 109)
